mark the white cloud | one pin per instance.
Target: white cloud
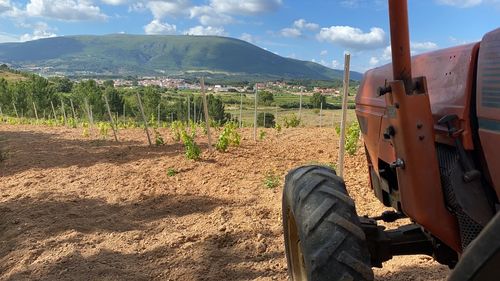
(387, 53)
(460, 3)
(350, 3)
(415, 48)
(297, 27)
(351, 37)
(423, 46)
(374, 61)
(6, 37)
(247, 37)
(245, 7)
(157, 27)
(206, 30)
(70, 10)
(115, 2)
(172, 8)
(335, 64)
(290, 32)
(468, 3)
(323, 53)
(5, 5)
(40, 30)
(220, 12)
(137, 7)
(303, 24)
(207, 15)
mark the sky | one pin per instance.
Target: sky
(313, 30)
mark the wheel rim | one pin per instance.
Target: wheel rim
(298, 269)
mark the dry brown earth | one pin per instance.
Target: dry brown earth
(75, 208)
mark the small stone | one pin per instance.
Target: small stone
(260, 236)
(260, 247)
(222, 228)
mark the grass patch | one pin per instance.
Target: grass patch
(271, 180)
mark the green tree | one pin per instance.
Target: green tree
(108, 83)
(114, 99)
(5, 96)
(265, 98)
(216, 109)
(151, 99)
(92, 92)
(317, 99)
(61, 84)
(41, 92)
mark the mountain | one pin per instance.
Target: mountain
(122, 55)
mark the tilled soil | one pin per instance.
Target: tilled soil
(76, 208)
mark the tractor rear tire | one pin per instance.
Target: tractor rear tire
(323, 237)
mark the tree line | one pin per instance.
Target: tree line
(21, 97)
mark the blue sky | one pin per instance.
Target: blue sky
(315, 30)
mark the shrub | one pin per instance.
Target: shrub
(265, 120)
(158, 137)
(193, 151)
(103, 129)
(176, 128)
(271, 180)
(228, 137)
(86, 131)
(171, 172)
(277, 127)
(352, 137)
(72, 122)
(262, 135)
(291, 121)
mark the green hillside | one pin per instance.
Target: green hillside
(122, 55)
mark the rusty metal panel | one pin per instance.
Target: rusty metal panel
(488, 104)
(450, 80)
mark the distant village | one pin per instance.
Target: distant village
(182, 84)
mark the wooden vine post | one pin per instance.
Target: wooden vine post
(205, 109)
(89, 113)
(194, 110)
(255, 114)
(158, 118)
(36, 113)
(53, 110)
(241, 110)
(300, 106)
(340, 166)
(321, 115)
(15, 109)
(73, 110)
(189, 108)
(143, 117)
(113, 125)
(64, 113)
(276, 117)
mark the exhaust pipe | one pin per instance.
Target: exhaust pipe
(400, 43)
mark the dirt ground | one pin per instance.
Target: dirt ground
(75, 208)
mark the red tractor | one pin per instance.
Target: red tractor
(430, 128)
